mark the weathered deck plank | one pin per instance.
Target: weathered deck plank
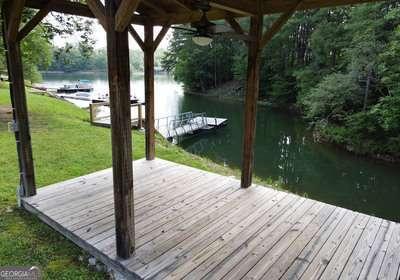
(315, 230)
(360, 253)
(377, 253)
(192, 224)
(228, 242)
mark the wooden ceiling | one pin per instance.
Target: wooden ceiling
(162, 12)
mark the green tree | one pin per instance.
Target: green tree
(339, 67)
(333, 99)
(200, 68)
(36, 54)
(36, 47)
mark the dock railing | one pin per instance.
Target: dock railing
(178, 125)
(100, 112)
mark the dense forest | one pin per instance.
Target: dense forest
(339, 68)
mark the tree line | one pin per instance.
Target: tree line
(338, 67)
(40, 54)
(71, 58)
(37, 49)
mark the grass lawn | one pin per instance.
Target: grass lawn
(65, 145)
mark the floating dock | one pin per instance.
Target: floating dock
(186, 124)
(171, 127)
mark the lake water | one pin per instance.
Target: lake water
(284, 150)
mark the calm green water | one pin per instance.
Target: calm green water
(284, 150)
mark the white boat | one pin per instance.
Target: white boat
(80, 86)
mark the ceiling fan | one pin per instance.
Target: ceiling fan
(204, 30)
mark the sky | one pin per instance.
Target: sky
(100, 37)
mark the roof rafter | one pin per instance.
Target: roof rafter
(283, 6)
(183, 4)
(277, 25)
(123, 17)
(98, 10)
(238, 7)
(62, 6)
(181, 18)
(268, 7)
(153, 7)
(234, 24)
(34, 21)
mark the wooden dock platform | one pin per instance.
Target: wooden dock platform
(192, 224)
(106, 122)
(186, 124)
(103, 119)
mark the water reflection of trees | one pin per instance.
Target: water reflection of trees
(281, 140)
(288, 153)
(208, 144)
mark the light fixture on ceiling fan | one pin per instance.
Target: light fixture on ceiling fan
(203, 31)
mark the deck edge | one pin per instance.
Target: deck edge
(84, 246)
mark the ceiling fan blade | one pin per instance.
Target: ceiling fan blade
(233, 35)
(222, 28)
(183, 28)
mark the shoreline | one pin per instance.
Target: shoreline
(88, 72)
(318, 136)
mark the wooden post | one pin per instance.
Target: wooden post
(19, 106)
(121, 136)
(140, 116)
(149, 90)
(149, 46)
(92, 107)
(253, 85)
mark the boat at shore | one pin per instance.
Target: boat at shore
(80, 86)
(88, 96)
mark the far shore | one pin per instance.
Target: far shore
(95, 72)
(74, 72)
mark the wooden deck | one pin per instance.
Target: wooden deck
(193, 224)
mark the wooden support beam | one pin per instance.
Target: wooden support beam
(98, 11)
(155, 8)
(234, 24)
(140, 120)
(123, 18)
(35, 20)
(268, 7)
(161, 35)
(121, 135)
(252, 90)
(277, 25)
(136, 36)
(149, 90)
(241, 7)
(62, 6)
(187, 17)
(73, 8)
(274, 7)
(27, 171)
(20, 109)
(14, 19)
(183, 4)
(239, 33)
